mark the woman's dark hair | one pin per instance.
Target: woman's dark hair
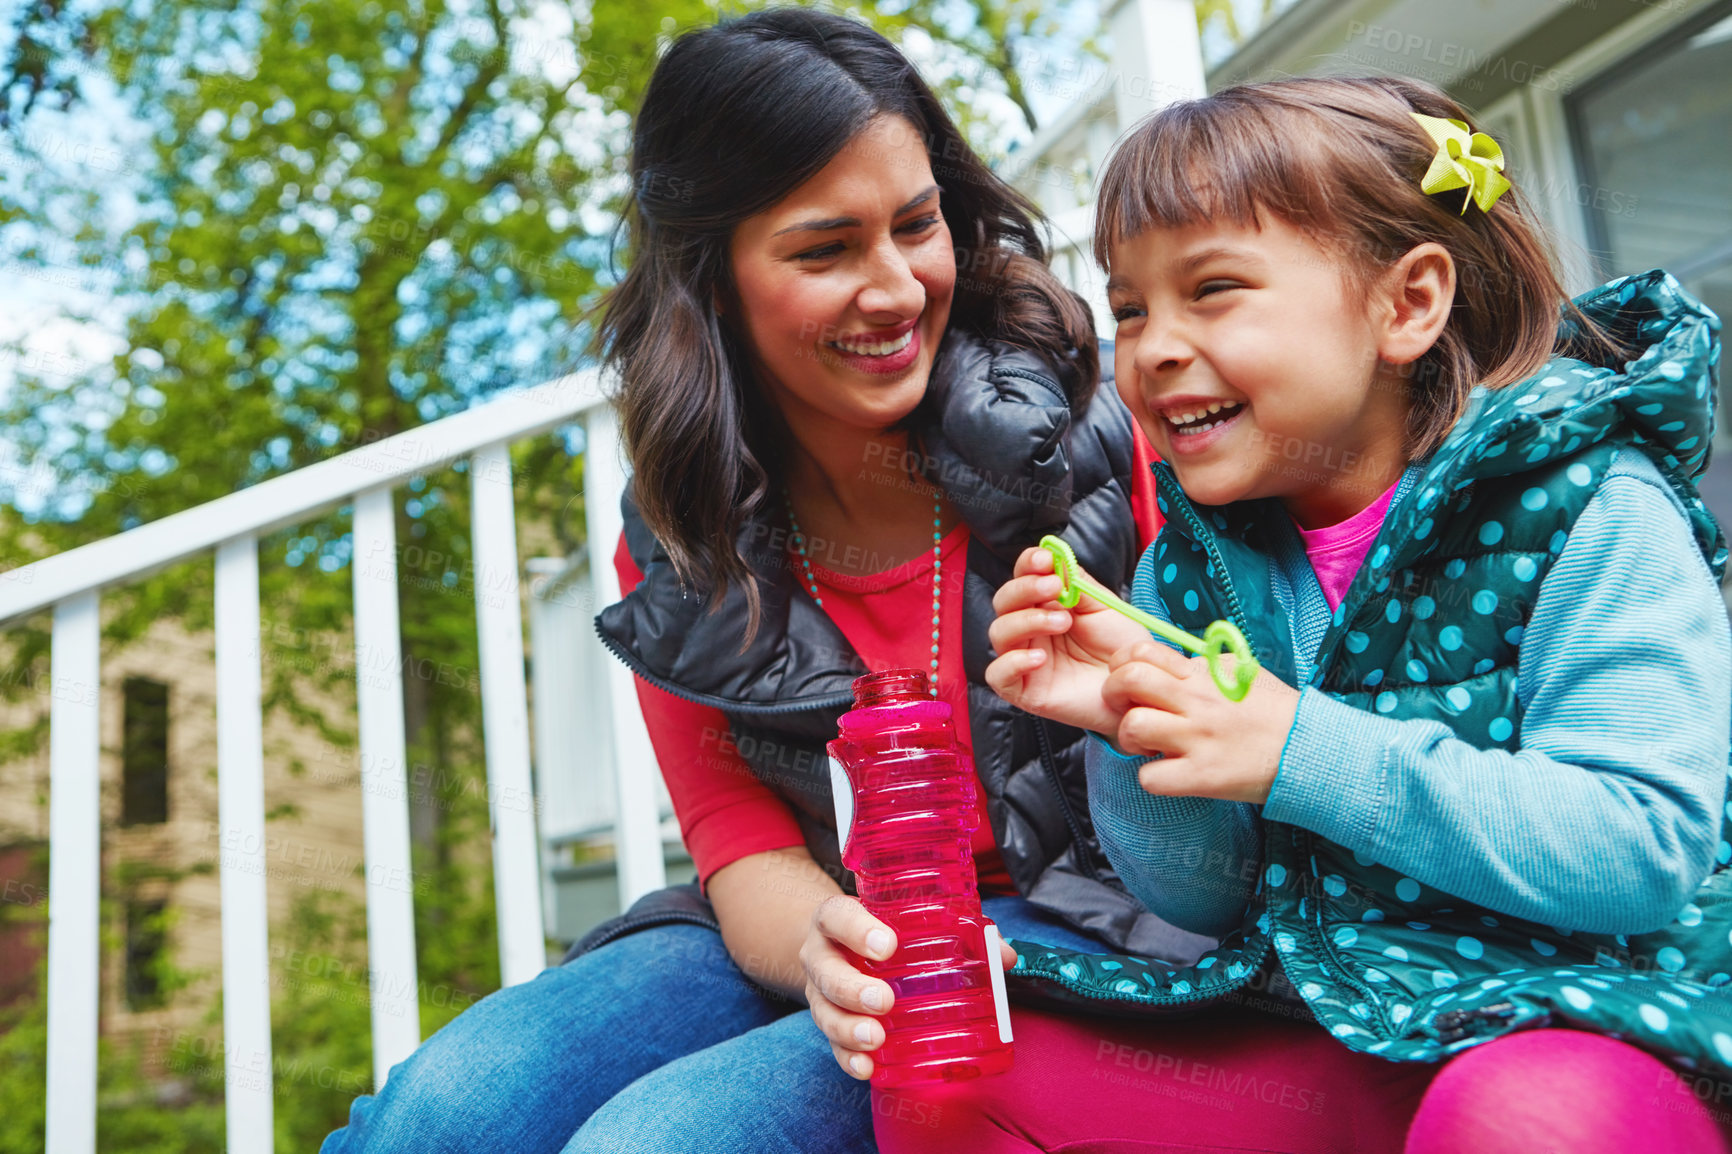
(1341, 159)
(737, 116)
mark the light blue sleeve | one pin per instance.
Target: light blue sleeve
(1608, 816)
(1192, 861)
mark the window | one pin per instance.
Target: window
(144, 945)
(1651, 139)
(144, 753)
(23, 896)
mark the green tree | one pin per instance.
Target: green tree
(343, 218)
(991, 35)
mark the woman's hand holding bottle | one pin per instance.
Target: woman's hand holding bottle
(1054, 661)
(845, 1002)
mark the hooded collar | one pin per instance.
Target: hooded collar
(1662, 400)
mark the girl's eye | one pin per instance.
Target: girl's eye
(1211, 287)
(1126, 312)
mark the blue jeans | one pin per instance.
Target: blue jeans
(653, 1043)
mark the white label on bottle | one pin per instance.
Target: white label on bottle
(842, 797)
(1000, 999)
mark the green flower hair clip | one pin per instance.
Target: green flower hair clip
(1465, 159)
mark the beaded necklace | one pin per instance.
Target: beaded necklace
(799, 542)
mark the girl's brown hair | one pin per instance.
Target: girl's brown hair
(737, 116)
(1341, 159)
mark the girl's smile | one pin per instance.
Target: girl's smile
(1196, 424)
(1245, 352)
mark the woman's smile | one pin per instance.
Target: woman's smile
(886, 352)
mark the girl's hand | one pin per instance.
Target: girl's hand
(1210, 747)
(1053, 661)
(845, 1002)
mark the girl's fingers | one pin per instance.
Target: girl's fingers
(1156, 653)
(1167, 777)
(1004, 676)
(1023, 592)
(1150, 731)
(1033, 560)
(1011, 630)
(841, 998)
(1138, 683)
(840, 987)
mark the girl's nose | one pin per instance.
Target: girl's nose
(1161, 349)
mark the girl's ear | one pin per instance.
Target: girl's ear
(1412, 303)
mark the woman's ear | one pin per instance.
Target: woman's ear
(1413, 302)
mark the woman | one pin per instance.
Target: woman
(852, 394)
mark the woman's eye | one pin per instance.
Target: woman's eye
(818, 254)
(921, 224)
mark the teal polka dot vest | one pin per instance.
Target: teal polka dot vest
(1431, 628)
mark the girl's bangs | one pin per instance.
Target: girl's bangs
(1201, 163)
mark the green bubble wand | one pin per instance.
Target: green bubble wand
(1219, 637)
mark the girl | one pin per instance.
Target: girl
(1477, 788)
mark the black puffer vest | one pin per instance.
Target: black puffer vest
(1018, 461)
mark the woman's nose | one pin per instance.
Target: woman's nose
(891, 286)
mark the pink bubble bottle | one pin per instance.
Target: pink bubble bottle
(905, 809)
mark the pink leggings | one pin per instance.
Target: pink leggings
(1240, 1080)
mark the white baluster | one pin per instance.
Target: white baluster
(241, 815)
(569, 725)
(505, 718)
(637, 829)
(384, 786)
(74, 874)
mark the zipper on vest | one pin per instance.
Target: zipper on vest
(1331, 960)
(631, 662)
(1453, 1025)
(1206, 538)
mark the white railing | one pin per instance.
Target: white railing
(71, 584)
(580, 743)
